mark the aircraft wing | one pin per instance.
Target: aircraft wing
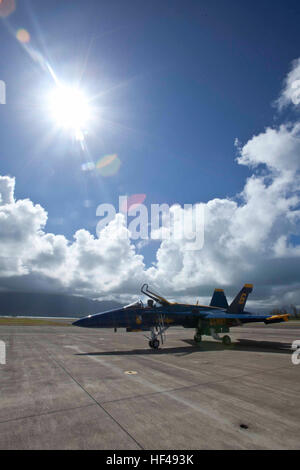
(222, 314)
(244, 316)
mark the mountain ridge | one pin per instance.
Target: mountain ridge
(57, 305)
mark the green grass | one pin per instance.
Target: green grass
(32, 322)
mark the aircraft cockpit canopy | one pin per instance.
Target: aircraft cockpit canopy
(155, 298)
(138, 304)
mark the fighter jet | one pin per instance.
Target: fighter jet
(159, 314)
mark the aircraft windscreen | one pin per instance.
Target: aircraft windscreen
(138, 304)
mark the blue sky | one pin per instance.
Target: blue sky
(177, 82)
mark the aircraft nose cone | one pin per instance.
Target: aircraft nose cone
(78, 322)
(100, 320)
(89, 321)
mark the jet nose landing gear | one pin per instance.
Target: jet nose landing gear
(154, 343)
(160, 330)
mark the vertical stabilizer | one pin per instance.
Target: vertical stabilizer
(238, 304)
(219, 299)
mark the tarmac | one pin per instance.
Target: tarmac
(65, 387)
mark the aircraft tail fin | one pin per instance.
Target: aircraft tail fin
(219, 299)
(238, 304)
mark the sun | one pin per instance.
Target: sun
(70, 110)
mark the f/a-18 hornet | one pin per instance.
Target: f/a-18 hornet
(159, 314)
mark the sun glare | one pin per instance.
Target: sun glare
(70, 110)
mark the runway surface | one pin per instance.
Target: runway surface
(64, 387)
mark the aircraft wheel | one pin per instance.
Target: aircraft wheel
(197, 338)
(226, 340)
(155, 344)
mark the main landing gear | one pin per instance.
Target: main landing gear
(198, 332)
(226, 340)
(197, 338)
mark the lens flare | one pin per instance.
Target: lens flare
(7, 7)
(108, 165)
(133, 202)
(89, 166)
(23, 36)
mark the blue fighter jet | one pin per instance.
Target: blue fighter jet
(159, 314)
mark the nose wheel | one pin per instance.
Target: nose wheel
(154, 343)
(198, 338)
(160, 331)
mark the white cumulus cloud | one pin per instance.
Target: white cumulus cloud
(291, 92)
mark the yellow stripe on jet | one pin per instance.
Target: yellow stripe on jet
(168, 320)
(284, 316)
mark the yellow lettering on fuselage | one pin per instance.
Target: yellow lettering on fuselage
(217, 321)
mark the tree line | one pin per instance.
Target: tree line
(283, 310)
